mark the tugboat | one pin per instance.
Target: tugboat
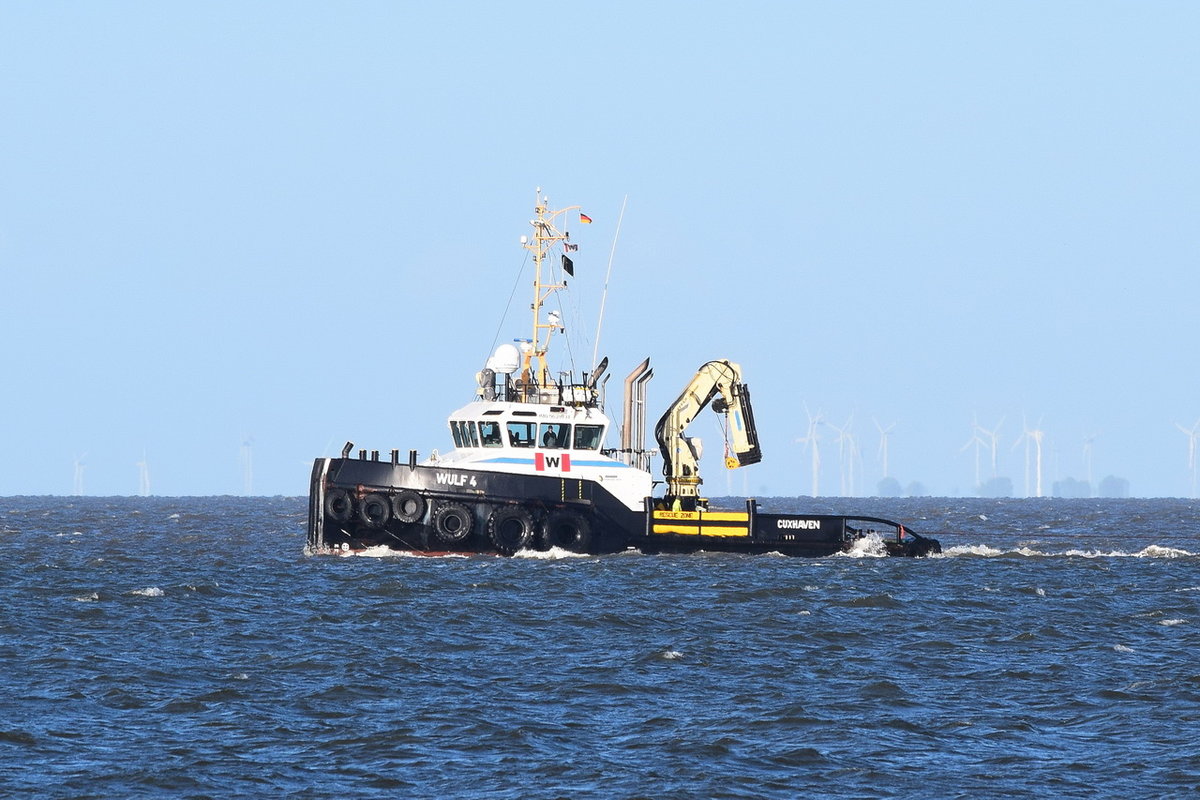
(530, 468)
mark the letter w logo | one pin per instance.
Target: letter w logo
(542, 462)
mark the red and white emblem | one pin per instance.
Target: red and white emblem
(543, 462)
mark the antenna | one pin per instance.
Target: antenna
(607, 275)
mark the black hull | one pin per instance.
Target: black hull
(356, 504)
(486, 507)
(750, 531)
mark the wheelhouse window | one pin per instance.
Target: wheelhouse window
(588, 437)
(464, 434)
(520, 434)
(489, 434)
(555, 435)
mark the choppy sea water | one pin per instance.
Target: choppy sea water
(188, 648)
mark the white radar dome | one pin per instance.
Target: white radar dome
(506, 359)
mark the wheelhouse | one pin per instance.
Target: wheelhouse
(515, 426)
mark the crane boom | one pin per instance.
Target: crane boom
(718, 382)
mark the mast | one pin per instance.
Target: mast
(545, 234)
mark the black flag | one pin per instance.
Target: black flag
(568, 266)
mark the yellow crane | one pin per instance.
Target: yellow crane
(720, 383)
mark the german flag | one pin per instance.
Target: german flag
(584, 218)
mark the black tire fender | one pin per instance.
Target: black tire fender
(408, 506)
(339, 505)
(452, 523)
(510, 528)
(568, 530)
(374, 510)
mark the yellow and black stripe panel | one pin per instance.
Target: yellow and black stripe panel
(701, 523)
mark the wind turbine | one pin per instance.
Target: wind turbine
(978, 441)
(994, 436)
(1087, 457)
(80, 466)
(1191, 434)
(847, 449)
(855, 464)
(1034, 436)
(247, 465)
(810, 440)
(883, 445)
(143, 476)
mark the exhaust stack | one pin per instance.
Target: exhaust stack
(633, 428)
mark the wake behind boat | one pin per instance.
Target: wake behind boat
(532, 466)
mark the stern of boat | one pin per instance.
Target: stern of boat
(912, 545)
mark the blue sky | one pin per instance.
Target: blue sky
(296, 224)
